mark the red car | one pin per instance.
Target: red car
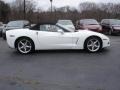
(90, 24)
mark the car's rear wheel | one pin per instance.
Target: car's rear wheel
(93, 44)
(24, 46)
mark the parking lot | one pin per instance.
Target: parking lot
(61, 70)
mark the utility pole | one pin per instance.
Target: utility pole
(51, 5)
(24, 9)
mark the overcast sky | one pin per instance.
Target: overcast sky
(59, 3)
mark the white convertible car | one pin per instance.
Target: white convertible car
(47, 36)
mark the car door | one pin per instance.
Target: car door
(50, 38)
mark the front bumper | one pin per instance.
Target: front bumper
(10, 41)
(106, 43)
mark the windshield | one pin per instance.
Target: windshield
(115, 22)
(63, 27)
(90, 22)
(65, 22)
(15, 24)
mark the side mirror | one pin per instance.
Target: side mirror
(27, 26)
(61, 31)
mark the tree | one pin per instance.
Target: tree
(4, 11)
(17, 9)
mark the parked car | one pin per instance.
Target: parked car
(19, 24)
(47, 36)
(111, 26)
(1, 28)
(90, 24)
(68, 24)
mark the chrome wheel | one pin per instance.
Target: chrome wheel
(24, 46)
(93, 45)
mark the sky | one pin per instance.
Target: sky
(60, 3)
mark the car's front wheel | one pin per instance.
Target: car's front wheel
(24, 46)
(93, 44)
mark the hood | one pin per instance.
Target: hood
(88, 32)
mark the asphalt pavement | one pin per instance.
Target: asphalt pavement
(60, 70)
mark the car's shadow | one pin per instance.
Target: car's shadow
(55, 54)
(39, 52)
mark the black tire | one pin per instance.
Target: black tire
(4, 37)
(98, 44)
(29, 47)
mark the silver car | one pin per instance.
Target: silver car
(19, 24)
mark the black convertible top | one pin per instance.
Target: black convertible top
(51, 23)
(41, 23)
(37, 26)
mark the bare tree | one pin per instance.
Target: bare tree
(4, 11)
(17, 9)
(85, 10)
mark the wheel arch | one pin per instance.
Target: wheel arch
(92, 37)
(15, 44)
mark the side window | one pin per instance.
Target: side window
(53, 28)
(43, 28)
(103, 22)
(48, 28)
(106, 22)
(36, 28)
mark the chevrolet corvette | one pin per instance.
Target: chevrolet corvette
(49, 36)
